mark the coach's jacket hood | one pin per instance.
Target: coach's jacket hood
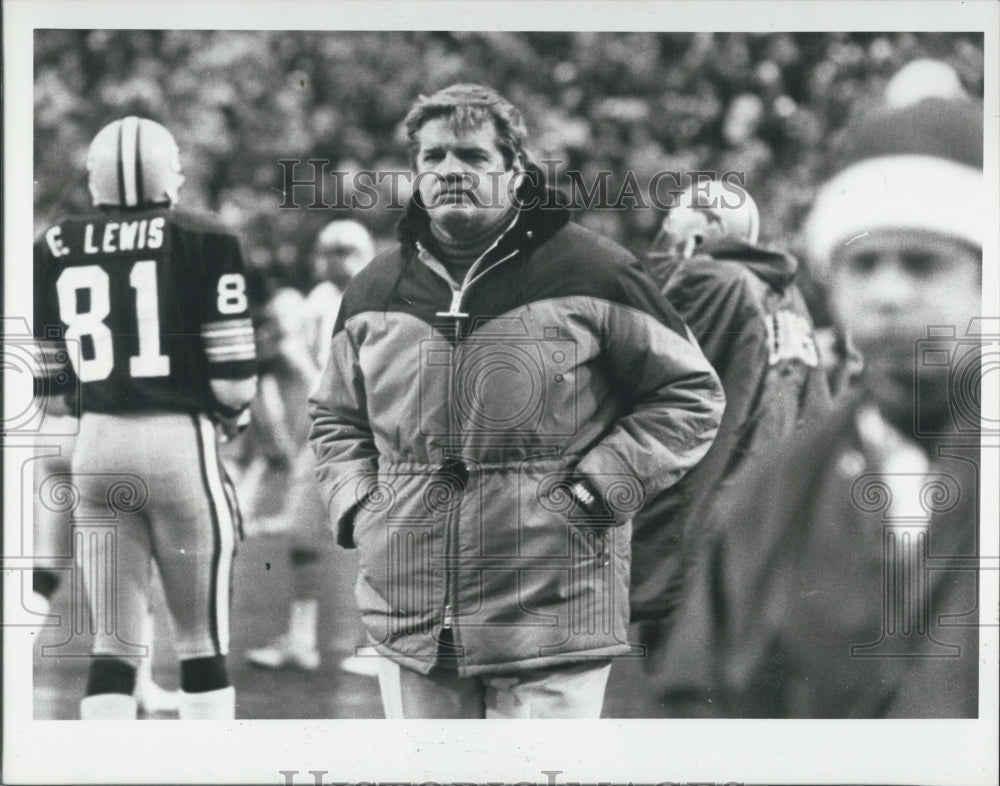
(449, 417)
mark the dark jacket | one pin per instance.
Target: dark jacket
(743, 307)
(791, 610)
(444, 442)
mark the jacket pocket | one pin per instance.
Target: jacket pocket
(591, 540)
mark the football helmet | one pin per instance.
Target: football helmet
(343, 248)
(134, 162)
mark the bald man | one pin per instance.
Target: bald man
(742, 304)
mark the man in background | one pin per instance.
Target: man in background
(743, 307)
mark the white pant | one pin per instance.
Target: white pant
(151, 489)
(575, 690)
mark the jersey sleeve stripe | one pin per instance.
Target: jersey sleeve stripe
(228, 340)
(227, 333)
(230, 353)
(226, 354)
(228, 343)
(226, 324)
(228, 337)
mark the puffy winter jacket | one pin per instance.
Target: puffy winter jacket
(750, 319)
(449, 417)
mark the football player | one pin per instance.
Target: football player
(295, 340)
(52, 543)
(343, 248)
(154, 298)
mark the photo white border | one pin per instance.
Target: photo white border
(641, 751)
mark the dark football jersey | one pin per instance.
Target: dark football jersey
(151, 306)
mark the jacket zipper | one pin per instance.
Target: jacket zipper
(457, 290)
(454, 311)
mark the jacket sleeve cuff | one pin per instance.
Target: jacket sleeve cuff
(622, 492)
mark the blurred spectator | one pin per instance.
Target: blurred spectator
(767, 105)
(913, 83)
(342, 249)
(844, 581)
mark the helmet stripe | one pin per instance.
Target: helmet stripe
(139, 190)
(129, 132)
(121, 174)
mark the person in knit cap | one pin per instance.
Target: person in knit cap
(502, 390)
(743, 306)
(843, 582)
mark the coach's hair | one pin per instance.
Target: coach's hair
(468, 107)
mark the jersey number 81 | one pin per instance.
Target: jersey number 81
(142, 278)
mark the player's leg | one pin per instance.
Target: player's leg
(113, 569)
(151, 697)
(194, 535)
(111, 554)
(52, 540)
(117, 615)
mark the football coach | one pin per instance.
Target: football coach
(503, 390)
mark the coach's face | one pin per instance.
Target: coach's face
(461, 176)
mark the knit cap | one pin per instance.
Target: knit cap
(917, 166)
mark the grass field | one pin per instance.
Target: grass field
(262, 591)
